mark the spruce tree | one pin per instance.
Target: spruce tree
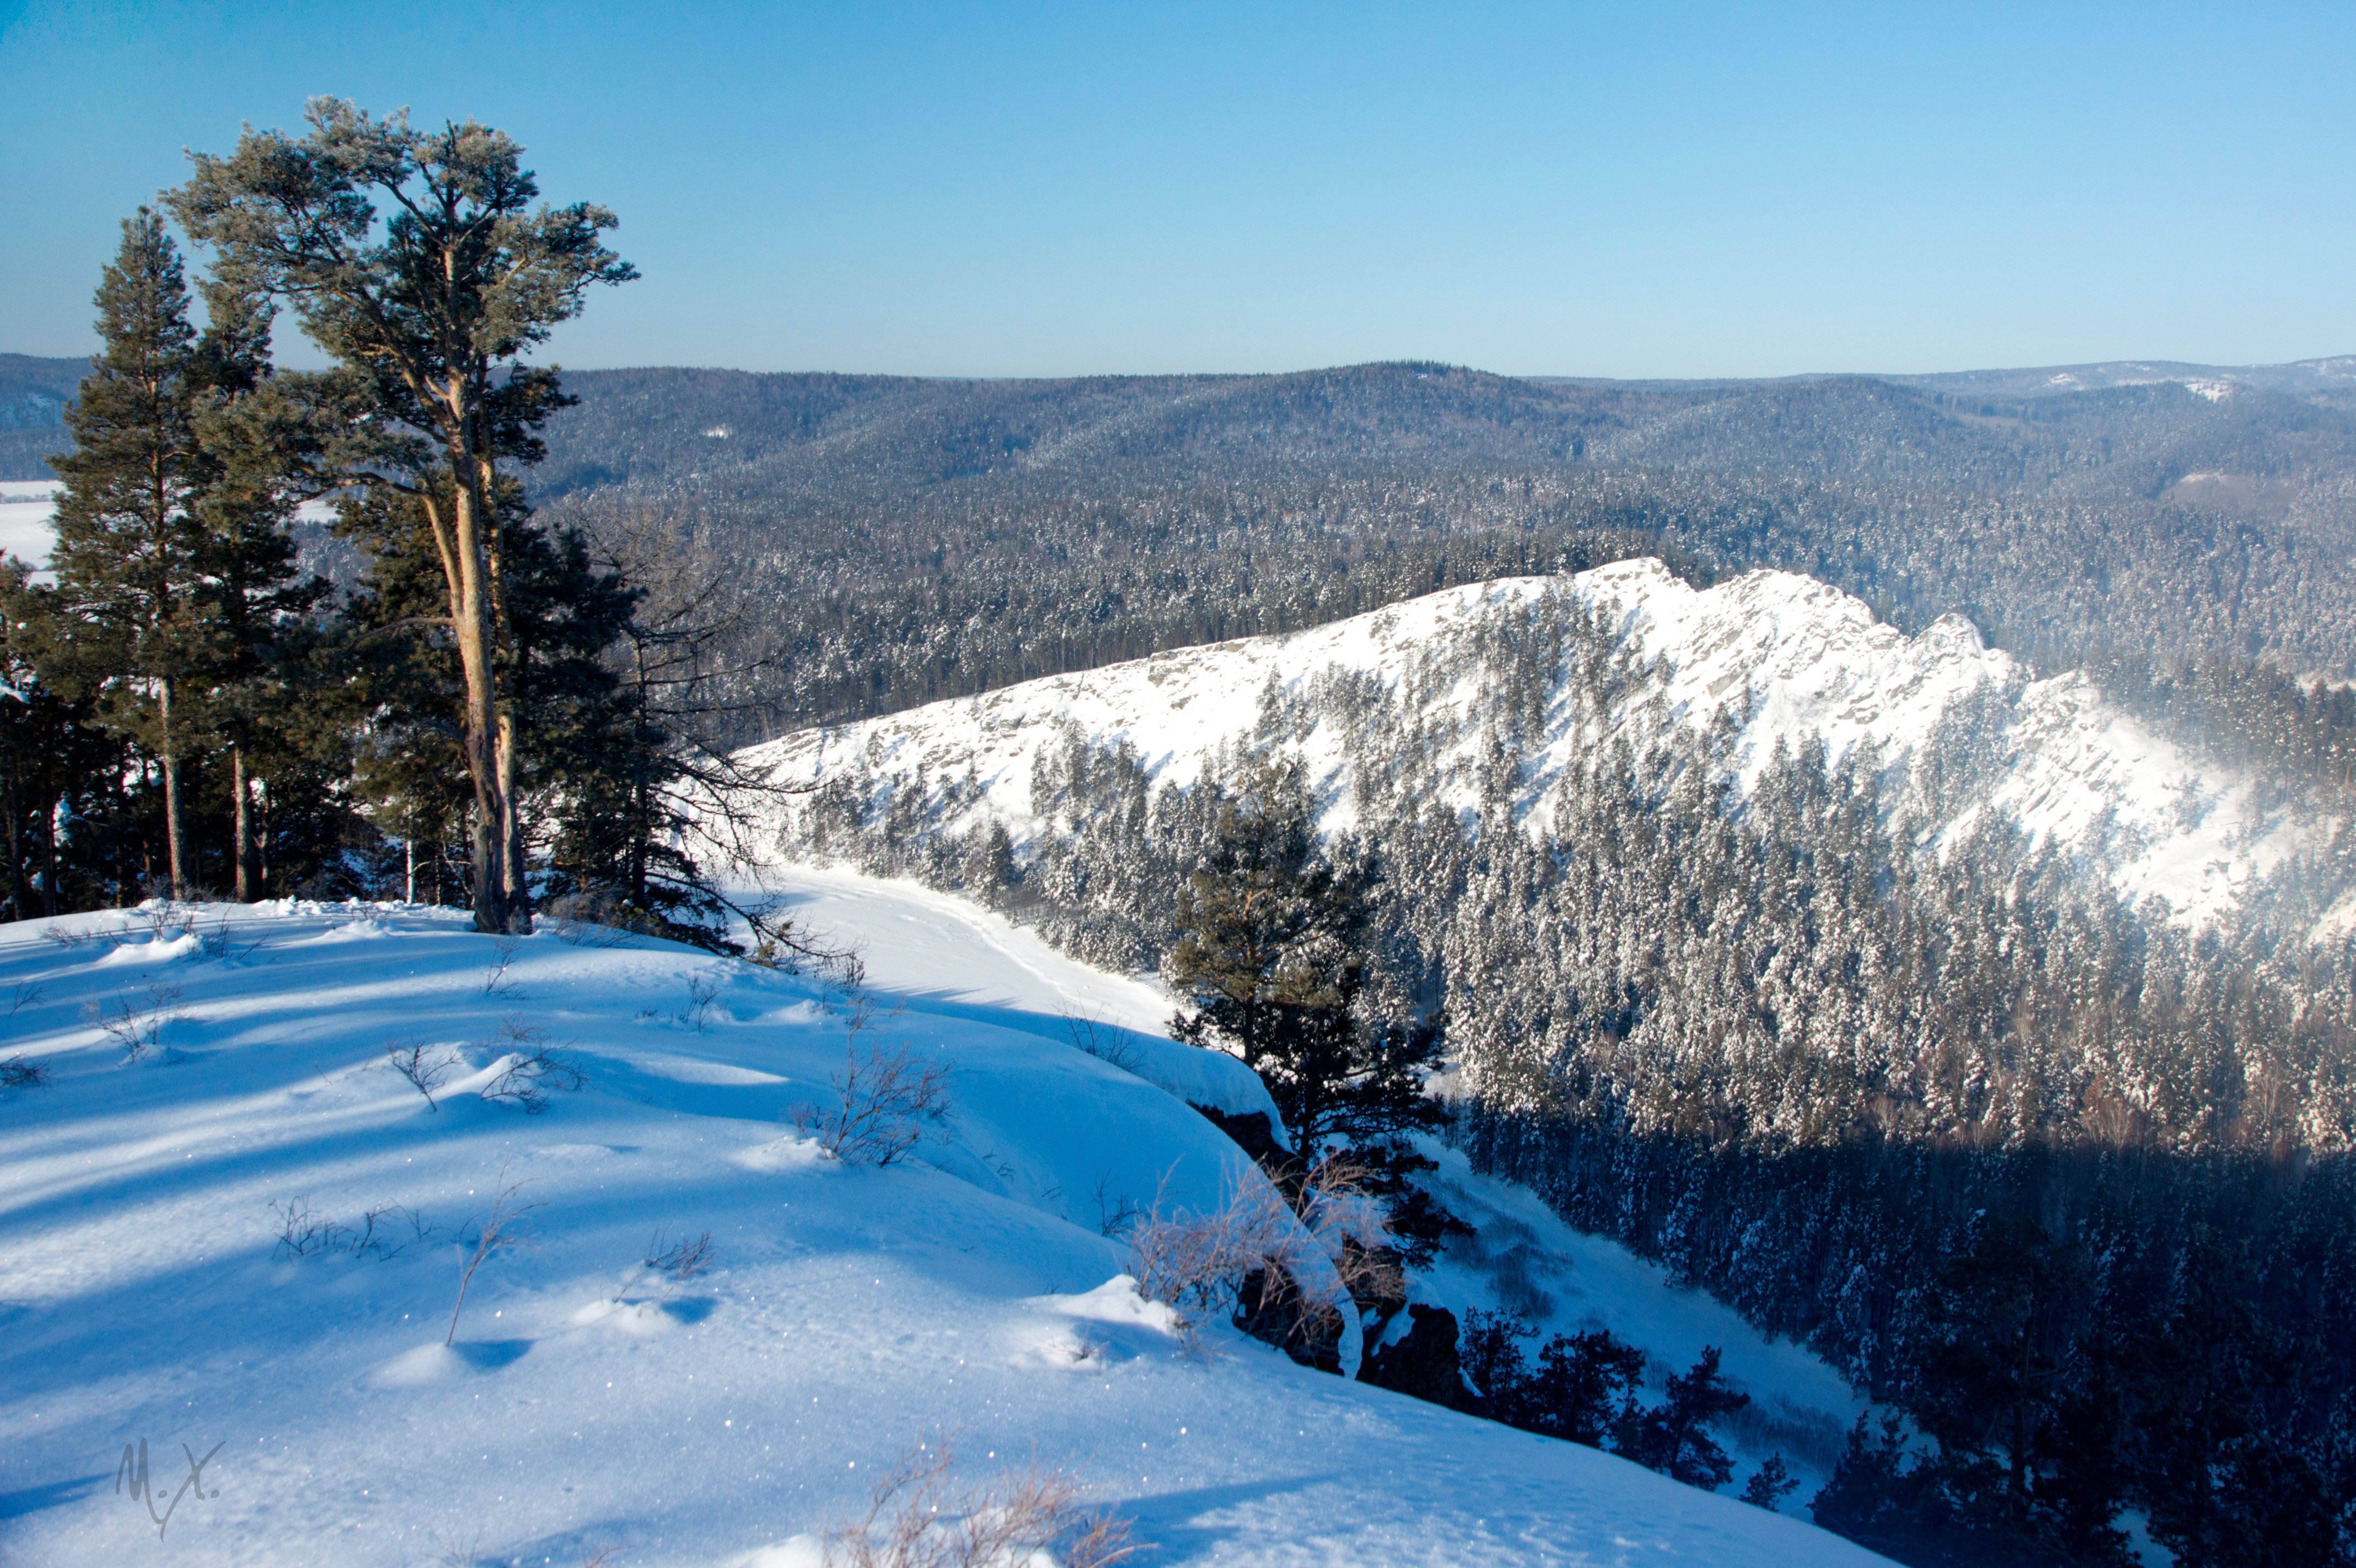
(130, 543)
(262, 440)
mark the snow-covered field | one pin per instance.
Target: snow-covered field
(1786, 656)
(146, 1295)
(28, 506)
(25, 508)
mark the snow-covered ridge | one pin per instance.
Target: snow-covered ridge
(1779, 655)
(159, 1286)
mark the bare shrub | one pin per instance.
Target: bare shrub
(532, 1068)
(1116, 1214)
(384, 1232)
(300, 1233)
(219, 944)
(680, 1261)
(23, 1072)
(501, 1231)
(496, 979)
(883, 1101)
(702, 992)
(425, 1066)
(136, 1023)
(917, 1518)
(1102, 1040)
(458, 1551)
(164, 920)
(1326, 1228)
(23, 995)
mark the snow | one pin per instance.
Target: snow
(725, 1419)
(1786, 656)
(26, 506)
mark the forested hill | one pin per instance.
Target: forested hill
(893, 540)
(814, 436)
(33, 396)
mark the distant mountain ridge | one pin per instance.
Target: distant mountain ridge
(739, 431)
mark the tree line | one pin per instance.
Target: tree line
(494, 710)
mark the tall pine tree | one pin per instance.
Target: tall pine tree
(428, 315)
(130, 543)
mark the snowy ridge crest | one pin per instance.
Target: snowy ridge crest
(1769, 660)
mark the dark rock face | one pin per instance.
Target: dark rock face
(1252, 1134)
(1268, 1307)
(1422, 1364)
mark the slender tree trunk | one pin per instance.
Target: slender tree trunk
(20, 887)
(175, 865)
(513, 870)
(248, 885)
(470, 621)
(49, 859)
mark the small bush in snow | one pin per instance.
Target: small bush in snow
(22, 995)
(425, 1066)
(916, 1518)
(23, 1072)
(495, 981)
(884, 1098)
(384, 1232)
(883, 1101)
(532, 1069)
(1328, 1231)
(703, 991)
(165, 920)
(136, 1023)
(501, 1231)
(219, 944)
(1102, 1040)
(680, 1261)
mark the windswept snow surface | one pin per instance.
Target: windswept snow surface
(1786, 656)
(726, 1419)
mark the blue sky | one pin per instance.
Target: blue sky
(1654, 189)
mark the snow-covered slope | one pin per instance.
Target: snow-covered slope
(147, 1295)
(1782, 656)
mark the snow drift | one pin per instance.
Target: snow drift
(231, 1235)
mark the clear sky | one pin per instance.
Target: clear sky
(1636, 190)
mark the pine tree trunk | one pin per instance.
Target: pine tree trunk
(176, 867)
(516, 892)
(50, 859)
(20, 891)
(470, 621)
(248, 887)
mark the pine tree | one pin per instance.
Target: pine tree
(1674, 1436)
(427, 316)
